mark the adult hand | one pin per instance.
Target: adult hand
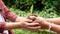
(28, 23)
(22, 19)
(40, 20)
(31, 26)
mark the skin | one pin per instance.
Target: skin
(54, 20)
(54, 27)
(14, 25)
(44, 23)
(21, 19)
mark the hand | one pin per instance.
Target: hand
(22, 19)
(27, 23)
(31, 26)
(40, 20)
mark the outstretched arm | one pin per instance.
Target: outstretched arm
(54, 27)
(13, 25)
(46, 24)
(5, 25)
(8, 14)
(54, 20)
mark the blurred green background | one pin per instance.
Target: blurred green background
(43, 8)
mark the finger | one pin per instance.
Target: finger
(32, 24)
(28, 20)
(35, 21)
(38, 20)
(34, 28)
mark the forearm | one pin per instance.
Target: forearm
(54, 20)
(18, 19)
(12, 25)
(54, 27)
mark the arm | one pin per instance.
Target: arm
(51, 20)
(8, 13)
(46, 24)
(10, 25)
(54, 27)
(14, 25)
(54, 20)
